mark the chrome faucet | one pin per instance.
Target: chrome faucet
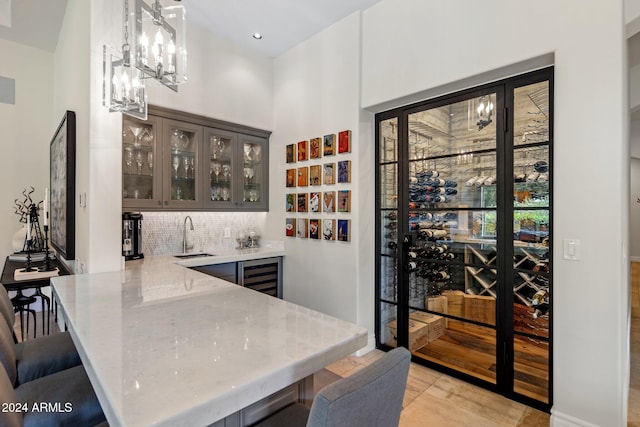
(184, 235)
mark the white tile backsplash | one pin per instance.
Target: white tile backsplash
(162, 231)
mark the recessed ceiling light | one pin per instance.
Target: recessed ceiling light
(257, 36)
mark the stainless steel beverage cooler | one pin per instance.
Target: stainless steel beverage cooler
(132, 236)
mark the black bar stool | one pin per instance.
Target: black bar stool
(22, 304)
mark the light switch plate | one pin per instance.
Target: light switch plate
(571, 249)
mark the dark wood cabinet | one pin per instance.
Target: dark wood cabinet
(179, 161)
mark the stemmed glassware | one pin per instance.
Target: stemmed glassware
(185, 162)
(248, 175)
(176, 165)
(226, 172)
(225, 194)
(128, 158)
(136, 131)
(139, 161)
(216, 168)
(216, 146)
(150, 162)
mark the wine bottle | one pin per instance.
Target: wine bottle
(437, 182)
(447, 256)
(392, 225)
(533, 177)
(450, 183)
(481, 179)
(440, 198)
(450, 191)
(392, 245)
(412, 255)
(539, 297)
(439, 275)
(438, 249)
(412, 266)
(471, 181)
(520, 177)
(436, 233)
(392, 215)
(490, 181)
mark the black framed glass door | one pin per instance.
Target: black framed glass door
(463, 240)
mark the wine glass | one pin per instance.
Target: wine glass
(176, 165)
(136, 134)
(214, 146)
(247, 151)
(214, 193)
(150, 162)
(225, 194)
(185, 162)
(253, 196)
(226, 172)
(139, 161)
(128, 158)
(216, 168)
(256, 153)
(147, 137)
(192, 166)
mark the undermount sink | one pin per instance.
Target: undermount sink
(198, 255)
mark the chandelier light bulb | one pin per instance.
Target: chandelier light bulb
(144, 47)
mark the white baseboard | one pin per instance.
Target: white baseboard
(635, 258)
(371, 345)
(558, 419)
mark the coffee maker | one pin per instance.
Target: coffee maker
(132, 236)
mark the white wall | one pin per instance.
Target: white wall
(225, 82)
(590, 295)
(27, 129)
(316, 92)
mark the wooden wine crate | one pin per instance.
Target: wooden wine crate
(438, 304)
(455, 303)
(480, 308)
(418, 334)
(437, 324)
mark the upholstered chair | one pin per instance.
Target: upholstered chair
(32, 359)
(370, 397)
(66, 397)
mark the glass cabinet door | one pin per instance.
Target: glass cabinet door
(252, 192)
(181, 181)
(141, 163)
(219, 148)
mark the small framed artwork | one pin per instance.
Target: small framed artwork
(314, 229)
(315, 148)
(303, 176)
(344, 201)
(290, 227)
(291, 153)
(315, 175)
(329, 201)
(344, 230)
(344, 172)
(344, 141)
(302, 151)
(302, 228)
(291, 177)
(303, 202)
(291, 202)
(329, 229)
(315, 202)
(329, 147)
(329, 173)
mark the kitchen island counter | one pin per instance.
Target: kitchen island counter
(166, 345)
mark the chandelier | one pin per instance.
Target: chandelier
(153, 49)
(485, 112)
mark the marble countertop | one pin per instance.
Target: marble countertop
(223, 255)
(167, 345)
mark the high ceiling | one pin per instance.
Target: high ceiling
(283, 23)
